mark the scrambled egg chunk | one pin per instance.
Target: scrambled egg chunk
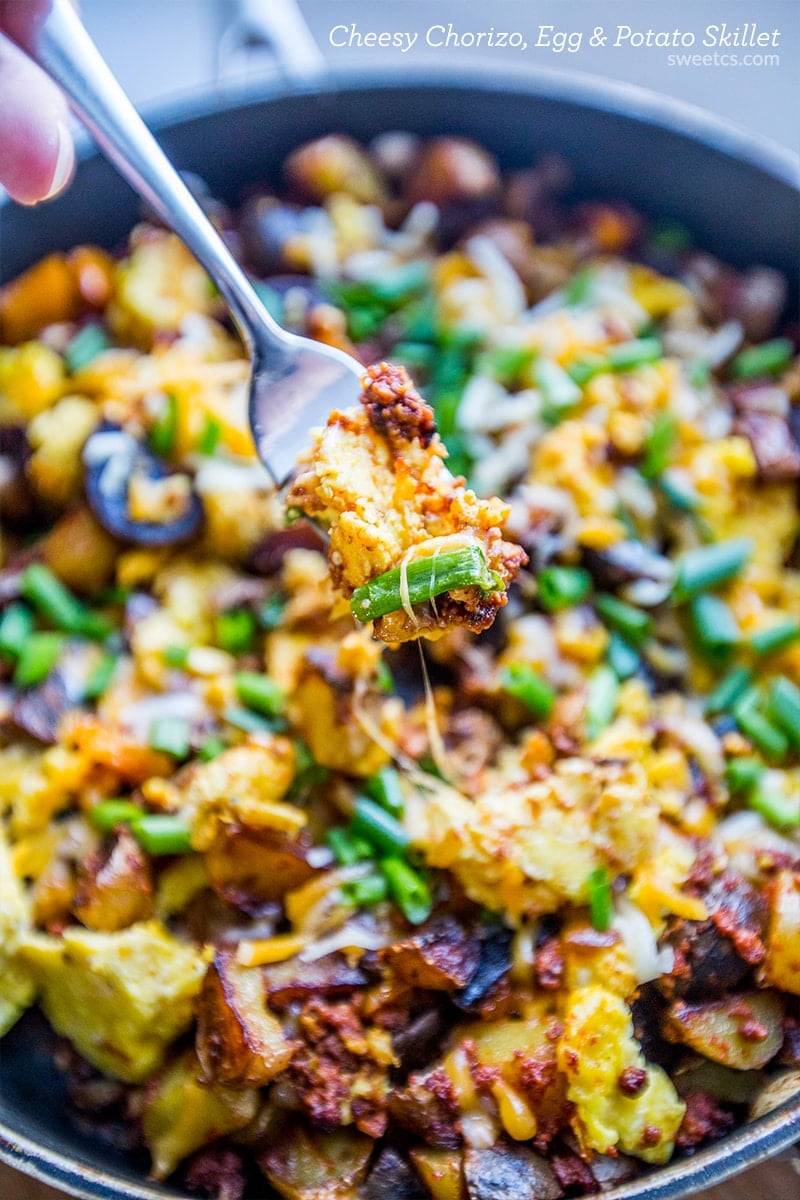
(137, 986)
(621, 1101)
(524, 850)
(376, 475)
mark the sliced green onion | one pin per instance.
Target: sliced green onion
(248, 721)
(698, 372)
(211, 748)
(259, 692)
(38, 655)
(561, 587)
(729, 690)
(106, 815)
(270, 614)
(209, 436)
(363, 893)
(560, 392)
(579, 286)
(658, 445)
(384, 789)
(622, 658)
(707, 567)
(765, 736)
(679, 494)
(408, 889)
(176, 656)
(348, 847)
(384, 678)
(85, 346)
(601, 700)
(770, 798)
(16, 625)
(741, 774)
(170, 735)
(583, 370)
(634, 625)
(784, 708)
(769, 358)
(776, 638)
(235, 630)
(531, 688)
(378, 827)
(715, 628)
(505, 363)
(164, 430)
(425, 578)
(162, 833)
(58, 605)
(627, 355)
(100, 678)
(670, 237)
(415, 355)
(601, 903)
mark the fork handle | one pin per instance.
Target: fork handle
(59, 43)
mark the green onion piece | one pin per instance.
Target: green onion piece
(165, 427)
(363, 893)
(531, 688)
(601, 901)
(679, 494)
(698, 372)
(384, 789)
(37, 656)
(106, 815)
(583, 370)
(561, 587)
(248, 721)
(348, 847)
(176, 656)
(707, 567)
(415, 355)
(776, 638)
(270, 614)
(16, 625)
(627, 355)
(209, 436)
(235, 630)
(770, 798)
(100, 678)
(670, 237)
(58, 605)
(378, 827)
(634, 625)
(560, 392)
(259, 692)
(741, 774)
(162, 833)
(622, 658)
(85, 346)
(579, 286)
(408, 889)
(658, 445)
(425, 578)
(765, 736)
(601, 700)
(714, 625)
(769, 358)
(270, 298)
(384, 678)
(784, 708)
(729, 690)
(505, 363)
(170, 735)
(211, 748)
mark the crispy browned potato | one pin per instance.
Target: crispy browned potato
(306, 1165)
(239, 1042)
(782, 964)
(115, 886)
(743, 1031)
(80, 552)
(441, 955)
(251, 867)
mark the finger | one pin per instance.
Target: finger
(37, 156)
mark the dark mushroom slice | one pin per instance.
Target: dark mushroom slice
(268, 227)
(506, 1170)
(775, 450)
(626, 562)
(17, 498)
(111, 457)
(391, 1178)
(494, 964)
(267, 557)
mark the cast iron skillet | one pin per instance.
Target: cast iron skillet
(742, 201)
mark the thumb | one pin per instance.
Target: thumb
(37, 156)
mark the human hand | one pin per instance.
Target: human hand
(37, 156)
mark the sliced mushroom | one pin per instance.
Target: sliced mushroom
(267, 227)
(505, 1170)
(391, 1178)
(494, 963)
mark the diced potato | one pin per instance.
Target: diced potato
(335, 736)
(781, 966)
(249, 867)
(742, 1031)
(596, 1047)
(57, 437)
(306, 1165)
(115, 886)
(239, 1042)
(777, 1091)
(442, 1171)
(31, 380)
(183, 1113)
(138, 985)
(80, 552)
(158, 286)
(42, 295)
(16, 983)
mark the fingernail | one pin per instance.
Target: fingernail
(64, 161)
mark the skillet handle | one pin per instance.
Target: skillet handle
(279, 27)
(58, 42)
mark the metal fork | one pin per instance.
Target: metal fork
(294, 381)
